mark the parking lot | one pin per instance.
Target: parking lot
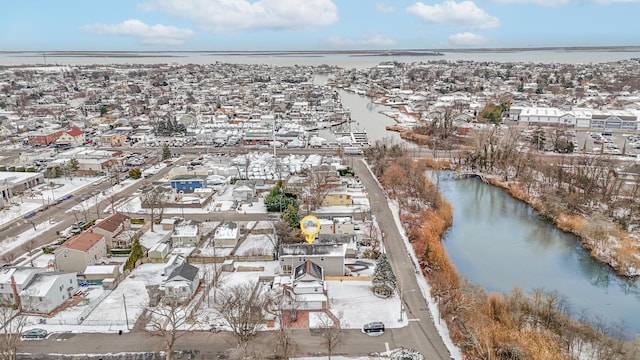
(608, 143)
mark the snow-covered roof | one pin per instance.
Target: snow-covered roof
(185, 230)
(313, 249)
(100, 269)
(227, 231)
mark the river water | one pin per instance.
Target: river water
(501, 243)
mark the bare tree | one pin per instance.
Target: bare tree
(155, 200)
(112, 199)
(170, 320)
(286, 312)
(11, 324)
(319, 186)
(242, 306)
(332, 334)
(29, 246)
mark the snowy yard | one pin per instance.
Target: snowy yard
(356, 303)
(256, 244)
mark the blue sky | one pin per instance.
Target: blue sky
(314, 24)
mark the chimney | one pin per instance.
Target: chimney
(14, 287)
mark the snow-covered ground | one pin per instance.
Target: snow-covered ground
(256, 244)
(357, 305)
(10, 243)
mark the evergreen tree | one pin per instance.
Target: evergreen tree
(73, 165)
(166, 152)
(135, 173)
(291, 216)
(384, 280)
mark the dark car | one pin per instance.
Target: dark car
(35, 334)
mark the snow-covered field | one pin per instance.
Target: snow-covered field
(9, 243)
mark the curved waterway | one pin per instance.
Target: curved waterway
(501, 243)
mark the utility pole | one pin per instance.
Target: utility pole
(126, 317)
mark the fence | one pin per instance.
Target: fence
(219, 259)
(92, 305)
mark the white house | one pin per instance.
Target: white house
(18, 276)
(186, 233)
(242, 193)
(226, 235)
(48, 290)
(307, 291)
(329, 256)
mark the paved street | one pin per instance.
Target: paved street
(423, 335)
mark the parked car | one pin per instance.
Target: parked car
(35, 334)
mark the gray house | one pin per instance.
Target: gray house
(182, 282)
(329, 256)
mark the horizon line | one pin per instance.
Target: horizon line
(346, 51)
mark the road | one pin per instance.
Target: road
(208, 344)
(423, 335)
(57, 214)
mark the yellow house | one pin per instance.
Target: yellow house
(113, 139)
(337, 200)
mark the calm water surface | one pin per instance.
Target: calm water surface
(500, 243)
(342, 60)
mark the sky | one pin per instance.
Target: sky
(252, 25)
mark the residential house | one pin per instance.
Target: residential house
(72, 137)
(174, 261)
(80, 251)
(186, 233)
(307, 291)
(337, 225)
(243, 193)
(48, 290)
(329, 256)
(182, 282)
(18, 277)
(113, 139)
(337, 200)
(226, 235)
(111, 227)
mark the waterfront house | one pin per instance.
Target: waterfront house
(329, 256)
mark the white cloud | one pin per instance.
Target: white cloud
(225, 15)
(373, 40)
(467, 39)
(145, 34)
(465, 14)
(384, 8)
(545, 3)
